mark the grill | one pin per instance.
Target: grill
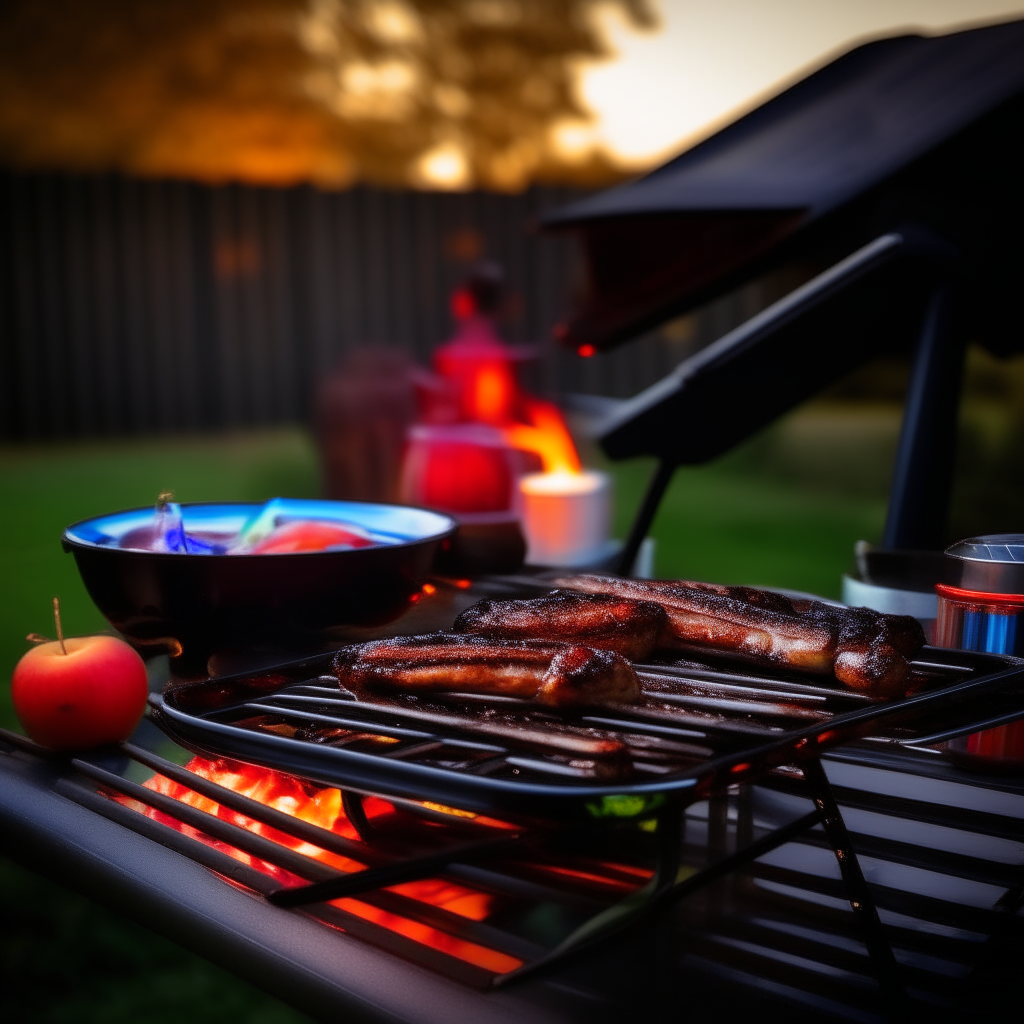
(755, 901)
(856, 881)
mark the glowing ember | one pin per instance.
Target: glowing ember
(323, 807)
(598, 879)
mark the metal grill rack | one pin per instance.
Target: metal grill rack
(589, 833)
(766, 909)
(945, 863)
(697, 729)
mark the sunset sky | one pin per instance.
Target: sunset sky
(435, 94)
(711, 58)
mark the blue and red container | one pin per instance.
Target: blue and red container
(986, 613)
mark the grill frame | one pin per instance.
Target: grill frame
(750, 930)
(613, 924)
(664, 803)
(372, 773)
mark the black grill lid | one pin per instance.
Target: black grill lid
(908, 128)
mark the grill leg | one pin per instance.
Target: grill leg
(718, 826)
(671, 824)
(744, 831)
(865, 914)
(922, 476)
(644, 518)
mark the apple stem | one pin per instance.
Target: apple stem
(56, 621)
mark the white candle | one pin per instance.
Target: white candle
(566, 517)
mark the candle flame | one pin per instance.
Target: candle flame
(547, 436)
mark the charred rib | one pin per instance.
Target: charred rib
(555, 674)
(631, 628)
(865, 650)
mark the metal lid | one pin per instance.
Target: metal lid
(993, 563)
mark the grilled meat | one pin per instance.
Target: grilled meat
(703, 616)
(873, 650)
(551, 673)
(865, 650)
(632, 628)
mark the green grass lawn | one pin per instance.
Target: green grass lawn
(721, 525)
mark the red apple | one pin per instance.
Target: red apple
(94, 693)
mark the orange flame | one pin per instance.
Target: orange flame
(323, 807)
(547, 436)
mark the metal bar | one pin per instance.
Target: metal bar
(745, 683)
(343, 723)
(861, 902)
(923, 473)
(216, 828)
(390, 874)
(645, 728)
(352, 805)
(725, 689)
(964, 730)
(15, 739)
(194, 849)
(287, 823)
(742, 707)
(566, 742)
(645, 516)
(640, 904)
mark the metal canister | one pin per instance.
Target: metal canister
(985, 612)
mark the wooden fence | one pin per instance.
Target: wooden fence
(132, 306)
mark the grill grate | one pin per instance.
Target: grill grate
(573, 835)
(764, 909)
(696, 729)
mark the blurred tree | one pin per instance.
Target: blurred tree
(436, 93)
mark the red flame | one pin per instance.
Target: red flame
(323, 807)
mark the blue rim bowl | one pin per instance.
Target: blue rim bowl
(208, 602)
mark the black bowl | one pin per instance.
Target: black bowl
(207, 602)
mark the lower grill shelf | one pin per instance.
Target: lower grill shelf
(942, 854)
